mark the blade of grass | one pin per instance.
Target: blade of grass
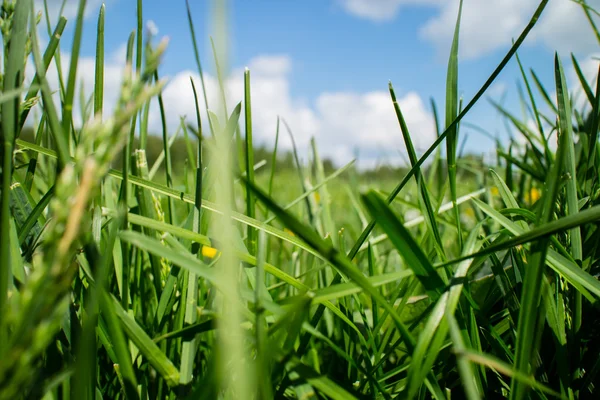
(99, 72)
(300, 172)
(48, 55)
(67, 115)
(424, 198)
(414, 257)
(147, 347)
(250, 207)
(197, 58)
(451, 114)
(467, 375)
(13, 78)
(536, 113)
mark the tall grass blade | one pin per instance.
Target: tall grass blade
(250, 207)
(67, 116)
(13, 79)
(451, 113)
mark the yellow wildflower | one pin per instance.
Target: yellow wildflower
(533, 195)
(209, 252)
(494, 191)
(286, 230)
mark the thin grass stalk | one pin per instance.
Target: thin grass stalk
(274, 159)
(67, 122)
(535, 111)
(49, 54)
(429, 213)
(124, 191)
(99, 71)
(300, 172)
(250, 203)
(167, 152)
(451, 113)
(57, 58)
(13, 79)
(197, 58)
(189, 348)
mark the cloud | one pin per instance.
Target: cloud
(340, 122)
(488, 25)
(379, 10)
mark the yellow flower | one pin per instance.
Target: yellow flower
(494, 191)
(533, 195)
(209, 252)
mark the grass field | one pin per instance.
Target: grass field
(456, 279)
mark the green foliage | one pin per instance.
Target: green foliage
(160, 266)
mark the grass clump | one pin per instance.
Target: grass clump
(116, 283)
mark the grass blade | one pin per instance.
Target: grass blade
(451, 113)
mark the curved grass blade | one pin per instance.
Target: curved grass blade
(13, 78)
(72, 78)
(250, 207)
(48, 55)
(197, 58)
(451, 113)
(583, 81)
(147, 347)
(428, 211)
(466, 372)
(535, 111)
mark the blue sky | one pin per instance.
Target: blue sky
(324, 65)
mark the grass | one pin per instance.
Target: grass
(225, 279)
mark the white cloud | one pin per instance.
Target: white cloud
(380, 10)
(340, 122)
(487, 25)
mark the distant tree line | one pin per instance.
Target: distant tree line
(285, 159)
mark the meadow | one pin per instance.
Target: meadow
(242, 273)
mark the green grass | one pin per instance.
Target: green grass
(221, 277)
